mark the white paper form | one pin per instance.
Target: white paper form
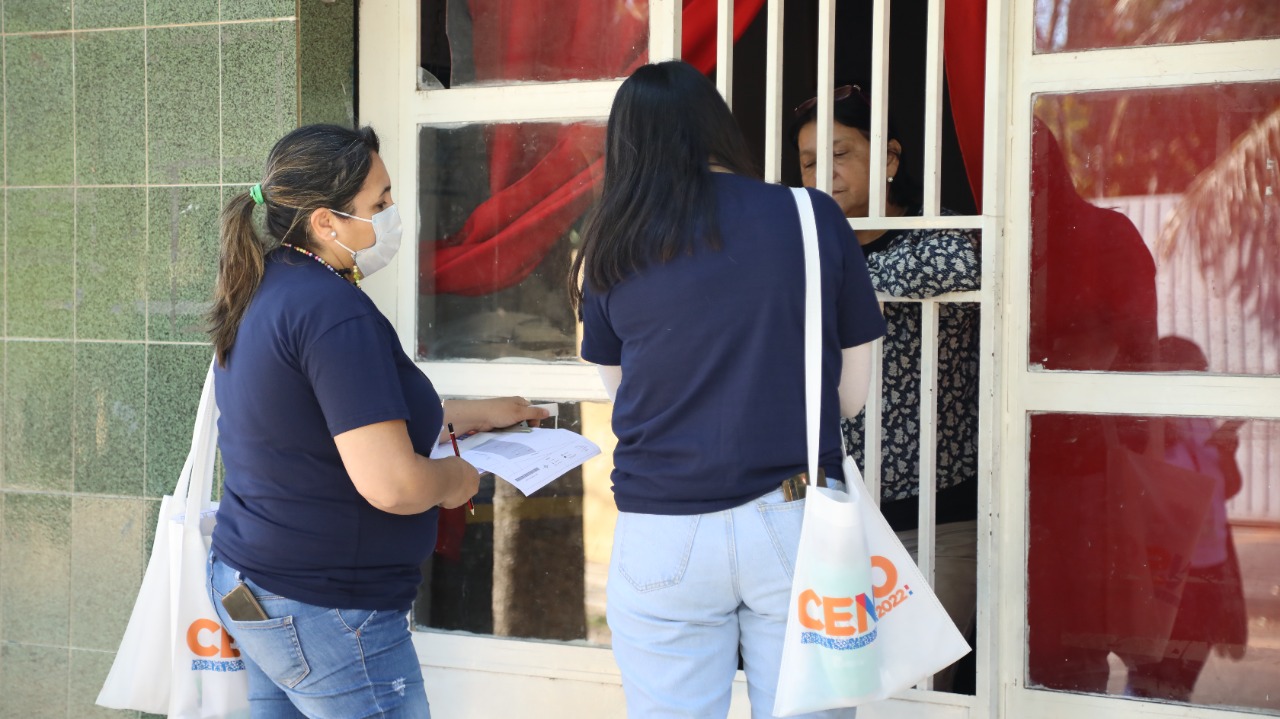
(529, 460)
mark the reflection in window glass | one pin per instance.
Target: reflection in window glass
(1066, 25)
(1155, 213)
(1151, 559)
(531, 567)
(500, 207)
(467, 42)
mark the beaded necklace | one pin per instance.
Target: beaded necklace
(347, 275)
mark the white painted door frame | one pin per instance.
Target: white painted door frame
(1027, 391)
(474, 676)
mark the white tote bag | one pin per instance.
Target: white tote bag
(863, 625)
(175, 658)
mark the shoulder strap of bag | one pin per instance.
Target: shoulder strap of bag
(812, 327)
(195, 484)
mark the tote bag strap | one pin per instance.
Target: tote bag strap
(812, 327)
(195, 484)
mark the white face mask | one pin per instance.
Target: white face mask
(386, 241)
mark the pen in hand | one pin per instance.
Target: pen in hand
(453, 439)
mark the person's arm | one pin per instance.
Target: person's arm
(393, 478)
(350, 366)
(611, 376)
(482, 415)
(859, 321)
(937, 262)
(855, 379)
(601, 346)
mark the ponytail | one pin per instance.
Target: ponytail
(241, 264)
(312, 167)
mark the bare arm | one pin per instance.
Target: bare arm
(393, 478)
(855, 379)
(481, 415)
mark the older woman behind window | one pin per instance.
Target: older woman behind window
(917, 264)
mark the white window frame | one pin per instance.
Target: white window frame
(471, 675)
(393, 105)
(465, 667)
(1090, 392)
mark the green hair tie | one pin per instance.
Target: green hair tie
(256, 193)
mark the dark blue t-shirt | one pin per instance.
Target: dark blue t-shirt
(314, 358)
(710, 412)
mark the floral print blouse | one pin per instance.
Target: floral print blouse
(925, 263)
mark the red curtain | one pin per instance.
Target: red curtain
(535, 197)
(698, 28)
(965, 54)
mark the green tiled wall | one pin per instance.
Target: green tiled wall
(327, 56)
(39, 524)
(181, 260)
(182, 104)
(35, 680)
(111, 139)
(110, 267)
(258, 56)
(38, 100)
(109, 14)
(39, 394)
(36, 15)
(40, 258)
(170, 12)
(125, 125)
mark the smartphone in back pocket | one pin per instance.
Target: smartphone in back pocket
(242, 606)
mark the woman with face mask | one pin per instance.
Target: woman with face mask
(329, 502)
(913, 263)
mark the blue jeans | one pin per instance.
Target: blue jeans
(688, 592)
(309, 661)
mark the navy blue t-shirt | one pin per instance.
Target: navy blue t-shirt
(314, 358)
(710, 412)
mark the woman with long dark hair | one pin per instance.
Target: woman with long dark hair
(329, 502)
(692, 300)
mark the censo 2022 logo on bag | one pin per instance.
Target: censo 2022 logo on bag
(208, 639)
(846, 622)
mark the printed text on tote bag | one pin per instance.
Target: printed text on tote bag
(845, 623)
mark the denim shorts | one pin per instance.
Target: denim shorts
(323, 663)
(688, 593)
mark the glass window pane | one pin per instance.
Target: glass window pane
(531, 567)
(1154, 214)
(500, 207)
(469, 42)
(1068, 25)
(1151, 557)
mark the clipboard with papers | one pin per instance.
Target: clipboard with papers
(527, 458)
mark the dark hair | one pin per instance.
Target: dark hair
(667, 122)
(855, 112)
(312, 167)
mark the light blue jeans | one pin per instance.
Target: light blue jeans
(688, 592)
(321, 663)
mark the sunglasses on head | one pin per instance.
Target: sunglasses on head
(844, 92)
